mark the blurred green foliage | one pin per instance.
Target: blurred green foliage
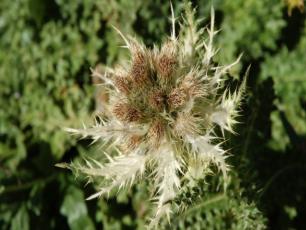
(47, 48)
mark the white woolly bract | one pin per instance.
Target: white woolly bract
(120, 171)
(162, 113)
(167, 181)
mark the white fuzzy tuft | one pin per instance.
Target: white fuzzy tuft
(167, 181)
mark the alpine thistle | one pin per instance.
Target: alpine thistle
(161, 113)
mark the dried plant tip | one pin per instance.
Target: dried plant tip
(186, 124)
(126, 112)
(132, 143)
(176, 98)
(140, 68)
(157, 99)
(166, 60)
(192, 86)
(122, 84)
(156, 132)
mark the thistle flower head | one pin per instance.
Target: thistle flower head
(161, 114)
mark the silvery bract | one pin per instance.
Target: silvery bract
(160, 115)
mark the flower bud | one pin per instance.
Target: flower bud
(176, 98)
(166, 60)
(157, 100)
(192, 86)
(156, 132)
(126, 112)
(122, 84)
(140, 68)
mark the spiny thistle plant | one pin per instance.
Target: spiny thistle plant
(161, 113)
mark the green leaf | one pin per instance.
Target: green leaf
(74, 208)
(287, 68)
(21, 220)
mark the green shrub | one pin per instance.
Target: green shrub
(46, 50)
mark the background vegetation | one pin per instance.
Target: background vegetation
(46, 49)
